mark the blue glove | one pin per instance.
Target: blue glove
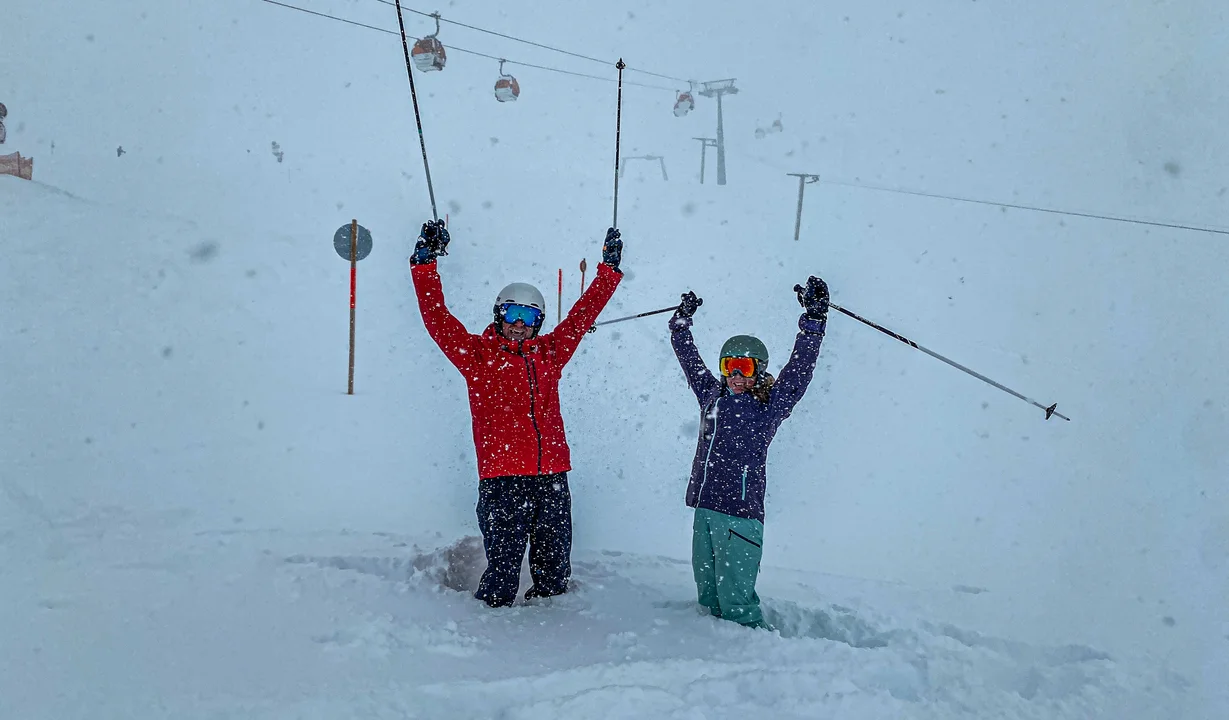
(432, 242)
(814, 298)
(612, 249)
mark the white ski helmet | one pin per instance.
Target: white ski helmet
(521, 294)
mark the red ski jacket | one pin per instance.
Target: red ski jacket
(513, 386)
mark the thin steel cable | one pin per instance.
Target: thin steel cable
(1017, 206)
(1034, 208)
(535, 44)
(452, 47)
(330, 17)
(496, 34)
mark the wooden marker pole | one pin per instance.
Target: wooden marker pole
(353, 290)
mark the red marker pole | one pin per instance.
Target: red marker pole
(353, 292)
(559, 310)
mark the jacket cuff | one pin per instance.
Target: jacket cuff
(611, 268)
(679, 323)
(811, 325)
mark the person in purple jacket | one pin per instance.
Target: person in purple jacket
(739, 415)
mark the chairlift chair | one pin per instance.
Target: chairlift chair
(685, 102)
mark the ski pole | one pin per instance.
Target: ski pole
(618, 132)
(1050, 411)
(632, 317)
(417, 116)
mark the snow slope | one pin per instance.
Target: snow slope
(178, 455)
(176, 537)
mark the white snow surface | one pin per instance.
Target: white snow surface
(137, 617)
(197, 521)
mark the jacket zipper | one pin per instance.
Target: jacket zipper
(744, 537)
(745, 469)
(531, 371)
(704, 476)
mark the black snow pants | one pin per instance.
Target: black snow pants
(520, 509)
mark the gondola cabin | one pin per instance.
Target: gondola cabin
(428, 54)
(507, 89)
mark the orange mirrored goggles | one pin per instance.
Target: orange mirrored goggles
(744, 366)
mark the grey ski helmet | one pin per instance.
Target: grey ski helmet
(521, 294)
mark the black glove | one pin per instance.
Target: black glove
(432, 242)
(612, 249)
(688, 305)
(814, 298)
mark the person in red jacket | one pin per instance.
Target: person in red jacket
(512, 374)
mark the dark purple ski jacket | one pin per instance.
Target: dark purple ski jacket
(728, 473)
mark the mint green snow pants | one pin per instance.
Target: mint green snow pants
(725, 557)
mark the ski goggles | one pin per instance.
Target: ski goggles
(744, 366)
(511, 312)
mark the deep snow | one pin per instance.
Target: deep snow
(262, 623)
(196, 519)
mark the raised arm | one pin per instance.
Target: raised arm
(797, 373)
(699, 378)
(566, 338)
(443, 327)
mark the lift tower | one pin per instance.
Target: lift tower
(718, 89)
